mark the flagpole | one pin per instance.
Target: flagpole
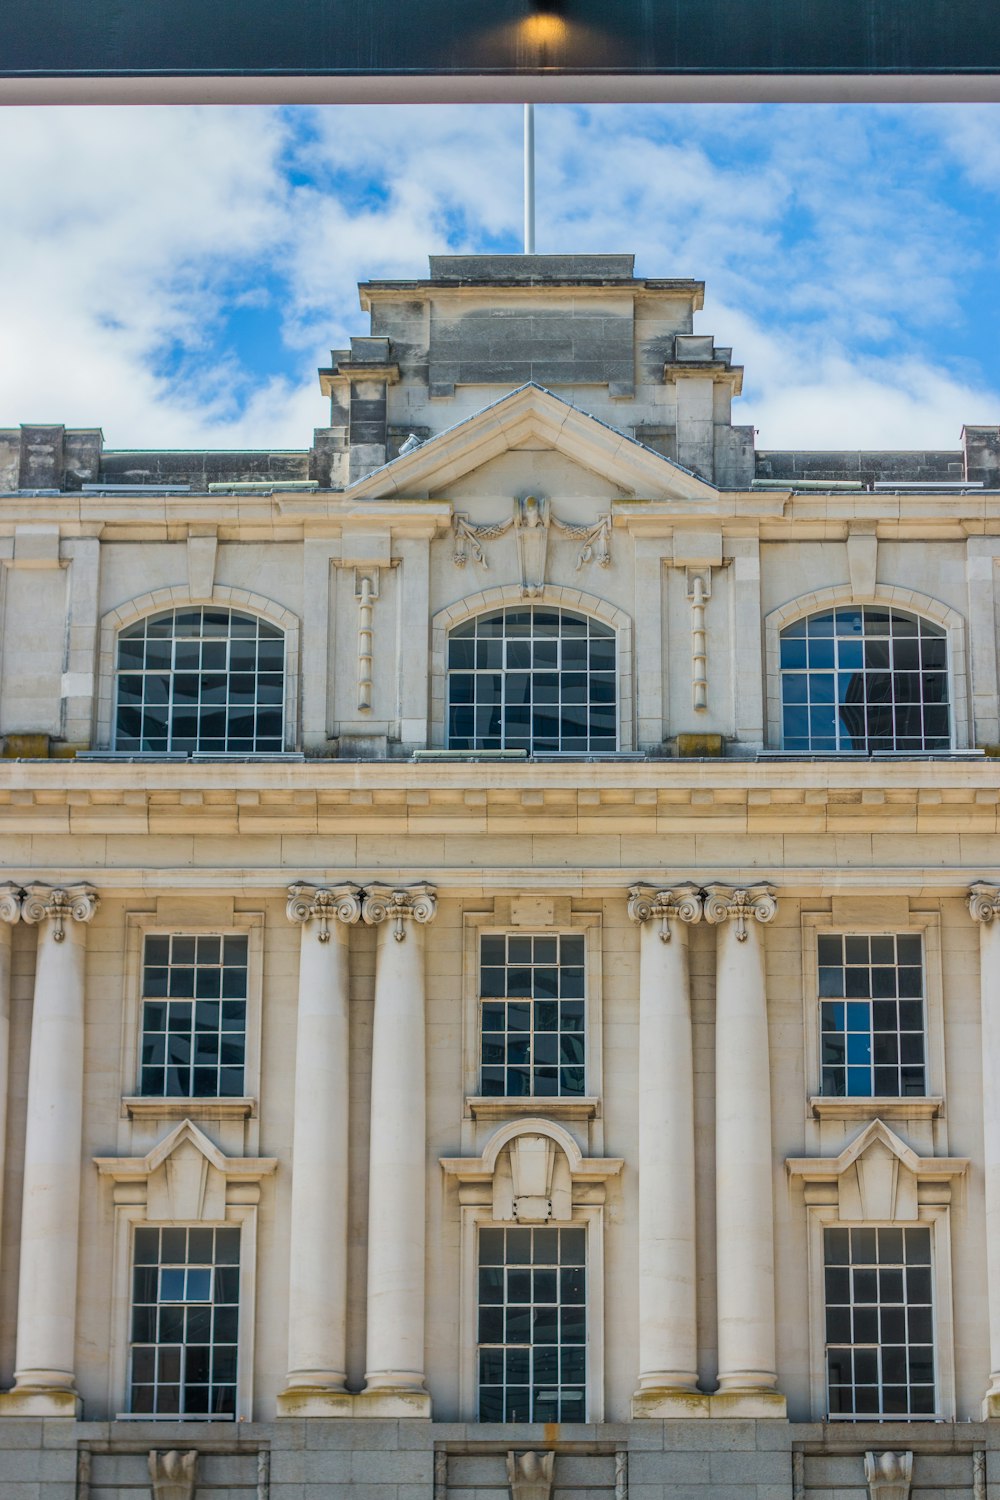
(529, 179)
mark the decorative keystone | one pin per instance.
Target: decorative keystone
(57, 903)
(646, 903)
(984, 902)
(384, 903)
(337, 903)
(755, 902)
(889, 1475)
(10, 903)
(174, 1474)
(530, 1475)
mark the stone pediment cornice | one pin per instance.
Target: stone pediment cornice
(133, 1168)
(531, 412)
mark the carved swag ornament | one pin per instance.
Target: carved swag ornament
(531, 519)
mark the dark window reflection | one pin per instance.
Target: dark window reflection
(864, 678)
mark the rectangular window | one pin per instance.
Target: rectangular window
(185, 1319)
(872, 1015)
(879, 1323)
(532, 1015)
(194, 1016)
(532, 1325)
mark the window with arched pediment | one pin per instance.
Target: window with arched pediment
(535, 678)
(867, 678)
(200, 680)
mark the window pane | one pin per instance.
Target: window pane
(872, 1045)
(868, 662)
(176, 1367)
(533, 679)
(531, 1043)
(196, 682)
(204, 1043)
(880, 1359)
(532, 1350)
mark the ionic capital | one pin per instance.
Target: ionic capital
(325, 903)
(742, 903)
(10, 902)
(984, 902)
(647, 903)
(56, 903)
(383, 903)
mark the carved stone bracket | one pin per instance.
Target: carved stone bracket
(57, 904)
(530, 1475)
(173, 1474)
(752, 903)
(531, 521)
(682, 902)
(979, 1475)
(383, 903)
(337, 903)
(888, 1475)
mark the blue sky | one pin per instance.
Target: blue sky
(176, 275)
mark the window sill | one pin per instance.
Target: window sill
(144, 1108)
(492, 1108)
(927, 1108)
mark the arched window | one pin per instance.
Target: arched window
(204, 680)
(533, 678)
(864, 677)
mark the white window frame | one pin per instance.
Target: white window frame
(927, 924)
(936, 1217)
(139, 926)
(510, 596)
(127, 1218)
(884, 596)
(565, 922)
(474, 1218)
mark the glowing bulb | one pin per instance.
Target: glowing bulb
(544, 29)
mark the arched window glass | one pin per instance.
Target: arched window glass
(203, 680)
(533, 678)
(864, 678)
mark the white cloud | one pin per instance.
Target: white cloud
(836, 258)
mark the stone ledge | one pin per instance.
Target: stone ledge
(488, 1108)
(318, 1401)
(152, 1108)
(927, 1108)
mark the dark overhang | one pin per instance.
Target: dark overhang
(382, 50)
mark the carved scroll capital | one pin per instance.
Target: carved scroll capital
(530, 1475)
(742, 903)
(325, 904)
(888, 1475)
(647, 903)
(984, 902)
(386, 903)
(174, 1474)
(10, 902)
(58, 903)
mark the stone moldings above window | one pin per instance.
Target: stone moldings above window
(532, 1171)
(878, 1177)
(186, 1178)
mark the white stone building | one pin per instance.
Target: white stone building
(500, 952)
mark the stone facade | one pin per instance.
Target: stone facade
(514, 434)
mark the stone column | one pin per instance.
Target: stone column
(394, 1380)
(10, 914)
(984, 905)
(668, 1344)
(744, 1217)
(317, 1289)
(50, 1209)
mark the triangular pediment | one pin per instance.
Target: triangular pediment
(877, 1176)
(876, 1138)
(532, 418)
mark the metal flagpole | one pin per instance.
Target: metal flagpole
(529, 179)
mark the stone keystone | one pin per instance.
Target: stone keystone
(174, 1474)
(530, 1475)
(889, 1475)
